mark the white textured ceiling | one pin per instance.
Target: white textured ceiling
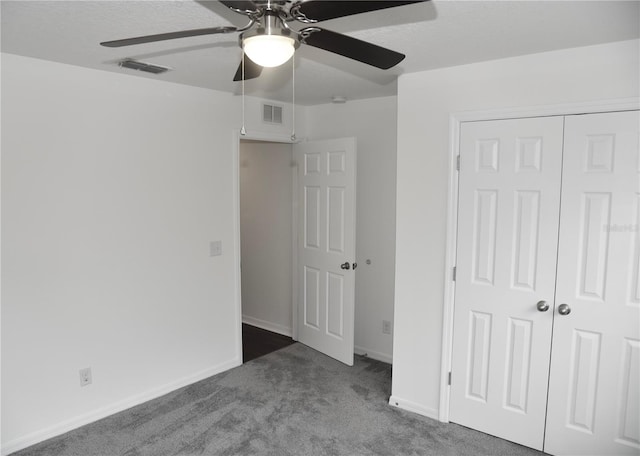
(432, 34)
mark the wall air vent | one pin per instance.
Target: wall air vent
(272, 114)
(142, 66)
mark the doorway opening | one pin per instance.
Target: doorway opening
(267, 241)
(296, 241)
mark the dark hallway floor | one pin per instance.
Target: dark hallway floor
(257, 342)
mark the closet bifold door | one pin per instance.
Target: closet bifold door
(594, 397)
(509, 201)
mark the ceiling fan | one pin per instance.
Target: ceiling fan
(268, 39)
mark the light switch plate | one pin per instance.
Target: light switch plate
(215, 248)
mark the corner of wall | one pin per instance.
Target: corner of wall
(413, 407)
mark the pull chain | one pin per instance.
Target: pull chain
(243, 130)
(293, 97)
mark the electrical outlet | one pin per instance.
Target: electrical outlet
(386, 327)
(85, 376)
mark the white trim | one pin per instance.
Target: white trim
(566, 109)
(455, 120)
(294, 245)
(102, 412)
(235, 165)
(450, 262)
(267, 137)
(269, 326)
(385, 358)
(414, 407)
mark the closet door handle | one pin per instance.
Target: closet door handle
(345, 265)
(542, 306)
(564, 309)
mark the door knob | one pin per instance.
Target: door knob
(345, 265)
(564, 309)
(542, 306)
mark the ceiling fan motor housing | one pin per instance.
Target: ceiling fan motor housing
(270, 24)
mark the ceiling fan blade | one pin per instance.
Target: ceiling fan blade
(168, 36)
(352, 48)
(321, 10)
(240, 6)
(251, 70)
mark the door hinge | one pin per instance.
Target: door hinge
(454, 274)
(458, 163)
(449, 381)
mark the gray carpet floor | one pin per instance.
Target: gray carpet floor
(295, 401)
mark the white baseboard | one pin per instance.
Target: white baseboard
(414, 407)
(373, 354)
(273, 327)
(103, 412)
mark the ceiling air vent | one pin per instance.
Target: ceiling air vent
(272, 114)
(142, 66)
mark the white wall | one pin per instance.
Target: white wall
(112, 188)
(425, 101)
(373, 123)
(266, 204)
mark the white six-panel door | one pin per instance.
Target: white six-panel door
(594, 390)
(326, 246)
(509, 198)
(517, 246)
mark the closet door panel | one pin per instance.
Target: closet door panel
(509, 201)
(594, 400)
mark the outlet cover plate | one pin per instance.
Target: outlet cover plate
(85, 376)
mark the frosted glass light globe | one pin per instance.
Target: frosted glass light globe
(269, 50)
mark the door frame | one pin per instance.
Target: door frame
(455, 121)
(235, 148)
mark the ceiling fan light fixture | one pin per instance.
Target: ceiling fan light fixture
(269, 50)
